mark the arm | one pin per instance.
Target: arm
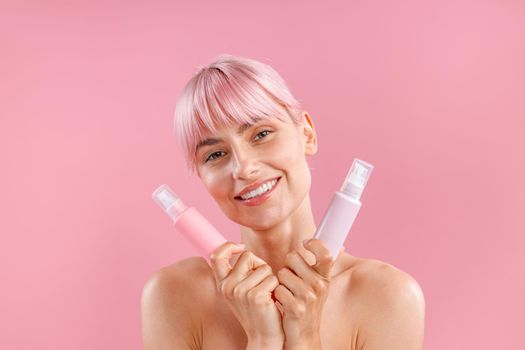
(167, 321)
(396, 316)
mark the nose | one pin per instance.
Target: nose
(245, 165)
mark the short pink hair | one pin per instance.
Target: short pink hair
(228, 91)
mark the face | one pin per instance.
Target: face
(237, 160)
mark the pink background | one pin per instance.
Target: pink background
(430, 92)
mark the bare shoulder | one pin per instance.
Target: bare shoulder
(392, 304)
(172, 300)
(384, 279)
(185, 279)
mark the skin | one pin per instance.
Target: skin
(276, 292)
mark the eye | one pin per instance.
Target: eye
(263, 132)
(212, 156)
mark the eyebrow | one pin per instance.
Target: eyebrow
(212, 141)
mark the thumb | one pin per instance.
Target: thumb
(324, 260)
(220, 259)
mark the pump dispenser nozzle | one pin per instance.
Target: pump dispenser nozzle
(169, 201)
(357, 178)
(344, 207)
(188, 221)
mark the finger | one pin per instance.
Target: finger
(284, 296)
(256, 277)
(220, 259)
(268, 284)
(245, 264)
(323, 256)
(293, 282)
(296, 263)
(279, 307)
(266, 288)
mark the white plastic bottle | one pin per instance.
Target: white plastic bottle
(189, 222)
(344, 208)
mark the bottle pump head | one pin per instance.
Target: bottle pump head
(169, 201)
(357, 178)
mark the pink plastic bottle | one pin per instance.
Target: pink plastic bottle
(189, 222)
(344, 208)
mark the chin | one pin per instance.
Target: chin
(258, 222)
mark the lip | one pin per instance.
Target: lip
(259, 199)
(254, 186)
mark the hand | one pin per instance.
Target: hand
(302, 293)
(247, 288)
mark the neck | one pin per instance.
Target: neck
(273, 243)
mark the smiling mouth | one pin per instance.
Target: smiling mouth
(265, 191)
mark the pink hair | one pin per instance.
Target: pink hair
(228, 91)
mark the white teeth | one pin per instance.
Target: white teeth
(265, 187)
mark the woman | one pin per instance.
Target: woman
(247, 139)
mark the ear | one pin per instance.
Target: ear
(309, 134)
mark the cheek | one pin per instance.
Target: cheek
(286, 153)
(292, 154)
(289, 156)
(215, 185)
